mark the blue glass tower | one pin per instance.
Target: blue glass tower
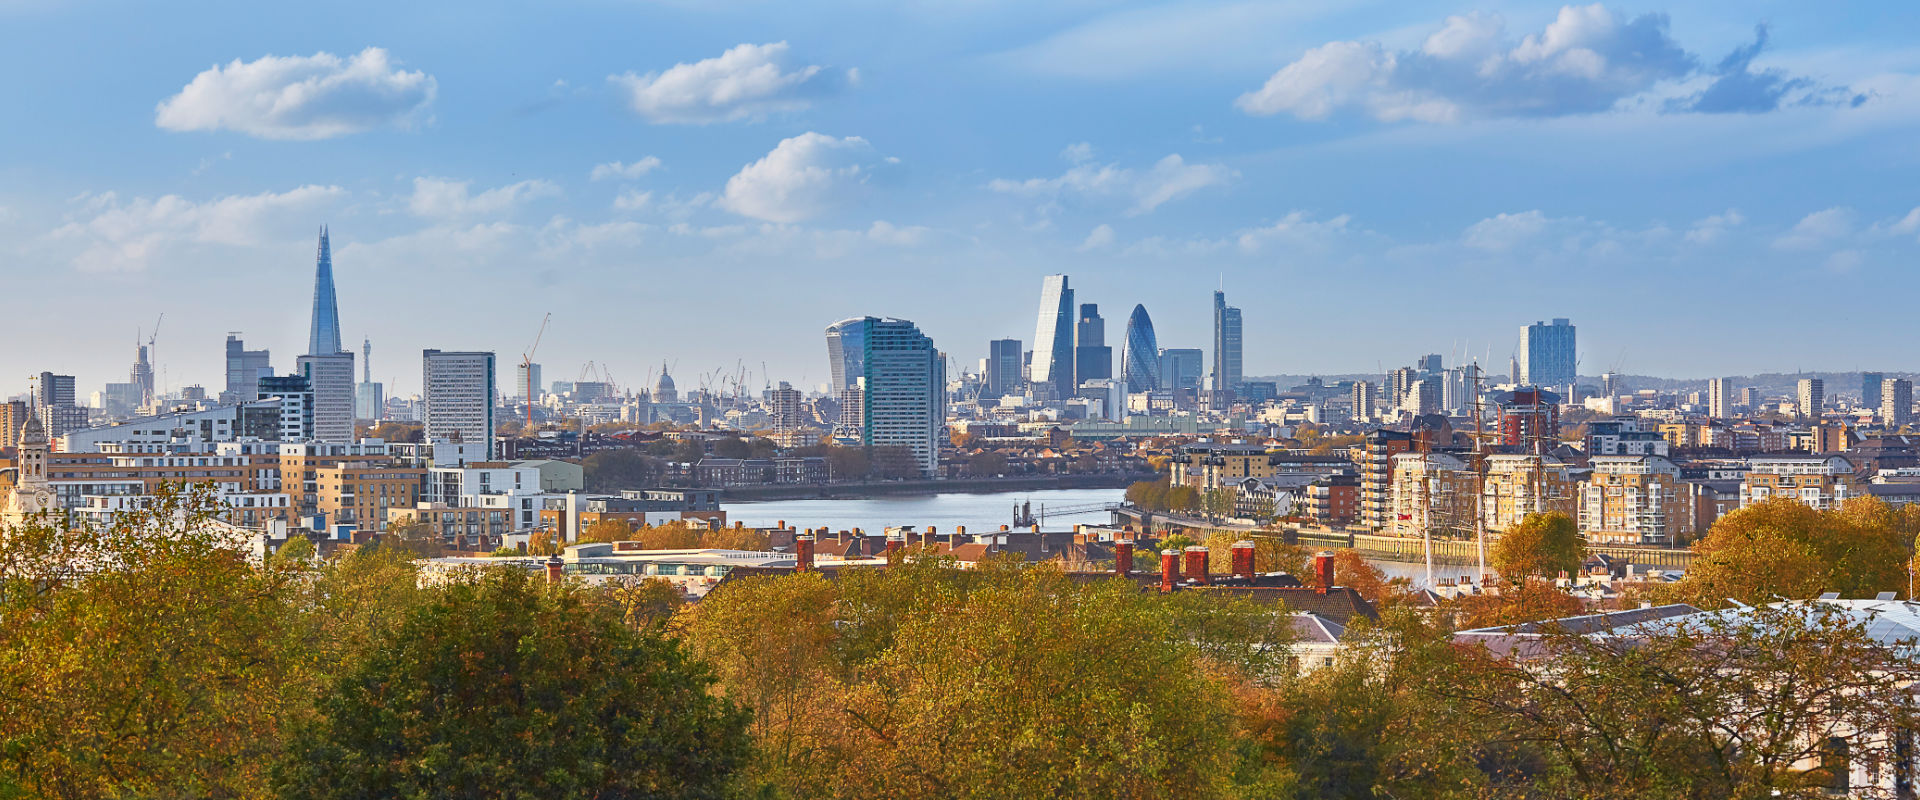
(325, 338)
(1140, 353)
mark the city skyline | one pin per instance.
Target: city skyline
(469, 197)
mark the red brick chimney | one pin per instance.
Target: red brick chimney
(1243, 559)
(803, 553)
(1123, 558)
(1197, 562)
(1169, 565)
(1323, 567)
(556, 569)
(896, 542)
(927, 539)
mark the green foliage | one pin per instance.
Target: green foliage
(1542, 545)
(504, 687)
(1783, 548)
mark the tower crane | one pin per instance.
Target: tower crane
(526, 366)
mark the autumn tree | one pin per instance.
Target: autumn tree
(1354, 571)
(1782, 548)
(735, 538)
(505, 687)
(675, 535)
(1517, 601)
(1542, 545)
(610, 529)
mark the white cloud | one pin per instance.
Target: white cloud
(1505, 231)
(802, 177)
(300, 97)
(889, 233)
(1169, 179)
(1077, 153)
(1906, 225)
(443, 198)
(1843, 262)
(1100, 238)
(631, 200)
(1817, 228)
(748, 81)
(1295, 231)
(116, 235)
(615, 169)
(1585, 61)
(1714, 228)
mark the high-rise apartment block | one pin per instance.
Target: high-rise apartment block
(901, 392)
(1226, 345)
(1547, 354)
(244, 369)
(526, 382)
(1053, 338)
(784, 405)
(1896, 402)
(1813, 397)
(1720, 398)
(459, 389)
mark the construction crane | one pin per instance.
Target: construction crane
(526, 366)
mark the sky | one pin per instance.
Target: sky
(1705, 188)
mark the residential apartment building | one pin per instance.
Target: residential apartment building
(361, 495)
(1376, 475)
(459, 391)
(1516, 486)
(1431, 493)
(1896, 402)
(1820, 481)
(1632, 500)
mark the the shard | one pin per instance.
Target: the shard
(325, 338)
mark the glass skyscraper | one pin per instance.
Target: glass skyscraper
(901, 386)
(1053, 338)
(1140, 353)
(1547, 354)
(327, 366)
(845, 340)
(1003, 367)
(1226, 344)
(1092, 358)
(324, 339)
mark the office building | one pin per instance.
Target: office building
(1896, 402)
(458, 391)
(244, 368)
(1813, 398)
(1870, 383)
(370, 397)
(1092, 358)
(324, 337)
(1429, 364)
(294, 396)
(1529, 418)
(900, 396)
(331, 377)
(1003, 367)
(1226, 345)
(1181, 368)
(56, 406)
(845, 340)
(1720, 398)
(1547, 354)
(1140, 354)
(1052, 363)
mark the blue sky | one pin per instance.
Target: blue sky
(1705, 188)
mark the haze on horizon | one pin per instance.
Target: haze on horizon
(1705, 188)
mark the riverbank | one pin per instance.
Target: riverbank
(856, 491)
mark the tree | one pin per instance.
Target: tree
(622, 468)
(732, 447)
(1542, 545)
(736, 538)
(1354, 571)
(504, 687)
(987, 463)
(848, 463)
(1519, 600)
(1218, 502)
(644, 603)
(1783, 548)
(894, 462)
(145, 658)
(1148, 495)
(415, 535)
(611, 529)
(674, 535)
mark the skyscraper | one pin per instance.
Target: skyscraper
(1870, 389)
(459, 391)
(526, 381)
(1896, 402)
(901, 390)
(1053, 338)
(142, 376)
(56, 405)
(324, 339)
(1003, 367)
(1092, 358)
(1813, 398)
(327, 367)
(244, 368)
(1140, 353)
(1226, 344)
(1720, 398)
(1547, 354)
(845, 340)
(1180, 368)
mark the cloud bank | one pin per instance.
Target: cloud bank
(300, 97)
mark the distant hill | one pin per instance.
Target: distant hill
(1770, 384)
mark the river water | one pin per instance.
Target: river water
(979, 512)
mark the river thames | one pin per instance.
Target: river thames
(979, 512)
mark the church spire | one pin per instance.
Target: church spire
(325, 338)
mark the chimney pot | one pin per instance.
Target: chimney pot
(1243, 551)
(1169, 565)
(1197, 566)
(556, 569)
(1323, 567)
(803, 553)
(1123, 558)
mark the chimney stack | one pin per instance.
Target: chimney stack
(896, 542)
(1123, 558)
(1169, 564)
(927, 539)
(1323, 567)
(1243, 560)
(1197, 562)
(555, 569)
(803, 553)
